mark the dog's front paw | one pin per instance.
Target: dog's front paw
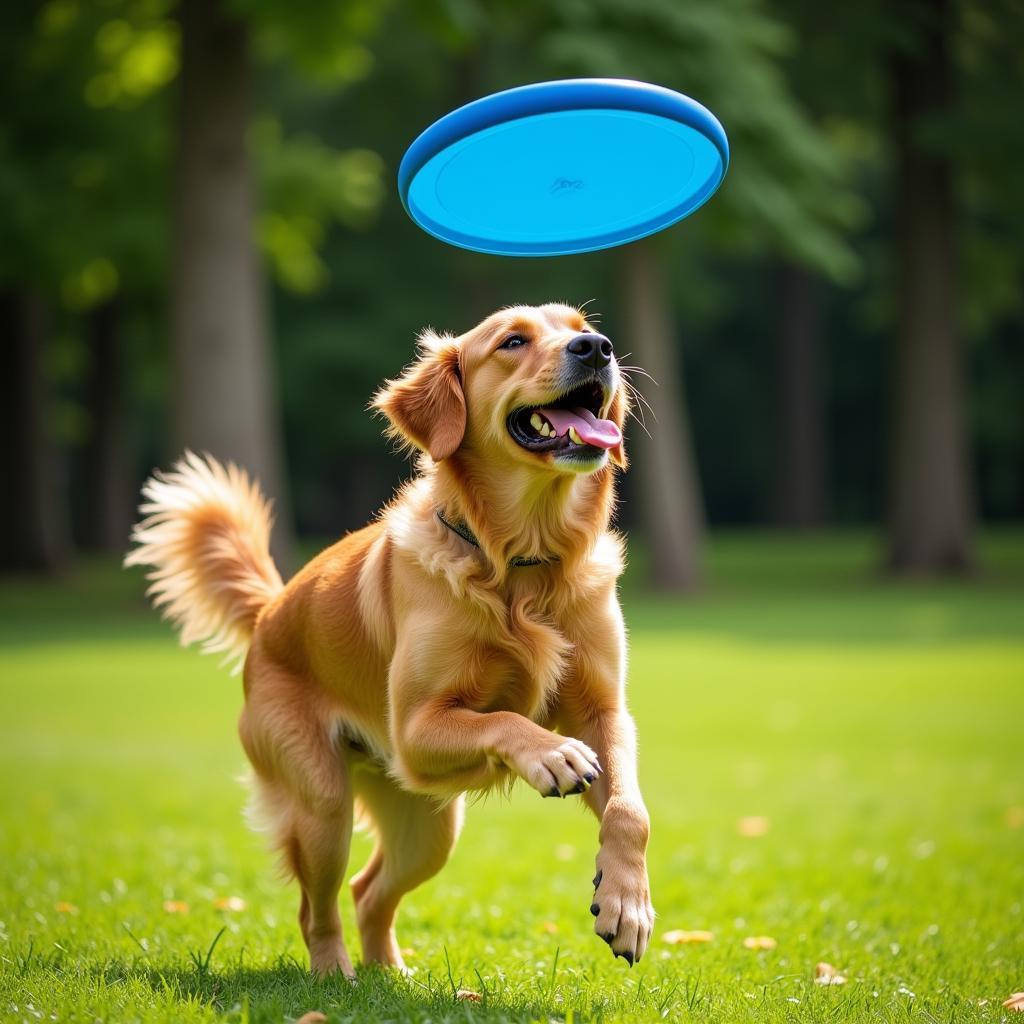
(568, 766)
(622, 906)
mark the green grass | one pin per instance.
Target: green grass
(878, 728)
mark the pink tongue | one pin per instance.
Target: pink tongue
(599, 433)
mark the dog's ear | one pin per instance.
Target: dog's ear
(426, 407)
(617, 414)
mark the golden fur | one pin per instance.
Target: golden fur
(403, 667)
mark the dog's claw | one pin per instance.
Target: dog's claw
(588, 777)
(553, 792)
(595, 909)
(608, 937)
(580, 787)
(627, 956)
(597, 879)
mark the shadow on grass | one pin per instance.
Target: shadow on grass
(286, 990)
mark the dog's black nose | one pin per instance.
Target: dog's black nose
(593, 350)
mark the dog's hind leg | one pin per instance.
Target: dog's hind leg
(317, 851)
(415, 834)
(305, 800)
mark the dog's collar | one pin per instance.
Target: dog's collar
(467, 535)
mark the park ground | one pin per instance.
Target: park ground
(831, 761)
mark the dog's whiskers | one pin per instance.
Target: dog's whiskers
(591, 318)
(638, 369)
(646, 404)
(631, 367)
(627, 370)
(637, 411)
(636, 393)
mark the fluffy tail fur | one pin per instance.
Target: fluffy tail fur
(206, 534)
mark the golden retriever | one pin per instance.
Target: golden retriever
(437, 650)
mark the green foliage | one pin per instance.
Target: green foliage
(980, 133)
(328, 41)
(988, 144)
(83, 149)
(875, 728)
(306, 186)
(84, 181)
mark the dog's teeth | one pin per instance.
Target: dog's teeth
(574, 437)
(537, 423)
(545, 429)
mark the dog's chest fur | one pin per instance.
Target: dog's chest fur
(523, 655)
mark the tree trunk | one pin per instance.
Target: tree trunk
(930, 492)
(33, 515)
(800, 466)
(108, 492)
(223, 392)
(671, 504)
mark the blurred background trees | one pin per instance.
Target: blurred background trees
(204, 247)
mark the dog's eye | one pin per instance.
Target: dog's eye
(513, 341)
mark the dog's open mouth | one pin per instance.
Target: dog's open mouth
(568, 425)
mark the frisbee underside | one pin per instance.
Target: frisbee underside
(564, 182)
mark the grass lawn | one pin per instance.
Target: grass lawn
(877, 729)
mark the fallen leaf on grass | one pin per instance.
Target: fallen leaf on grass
(826, 974)
(65, 908)
(759, 942)
(550, 927)
(753, 826)
(313, 1017)
(176, 906)
(1015, 1002)
(678, 937)
(467, 995)
(1014, 817)
(233, 903)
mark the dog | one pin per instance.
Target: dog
(468, 637)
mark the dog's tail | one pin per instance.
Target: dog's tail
(205, 532)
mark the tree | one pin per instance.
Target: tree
(33, 522)
(800, 464)
(39, 145)
(109, 496)
(85, 215)
(930, 505)
(669, 484)
(952, 139)
(223, 396)
(837, 95)
(81, 222)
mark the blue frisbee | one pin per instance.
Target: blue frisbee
(563, 167)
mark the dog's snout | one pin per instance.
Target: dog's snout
(593, 350)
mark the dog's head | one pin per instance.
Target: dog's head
(529, 385)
